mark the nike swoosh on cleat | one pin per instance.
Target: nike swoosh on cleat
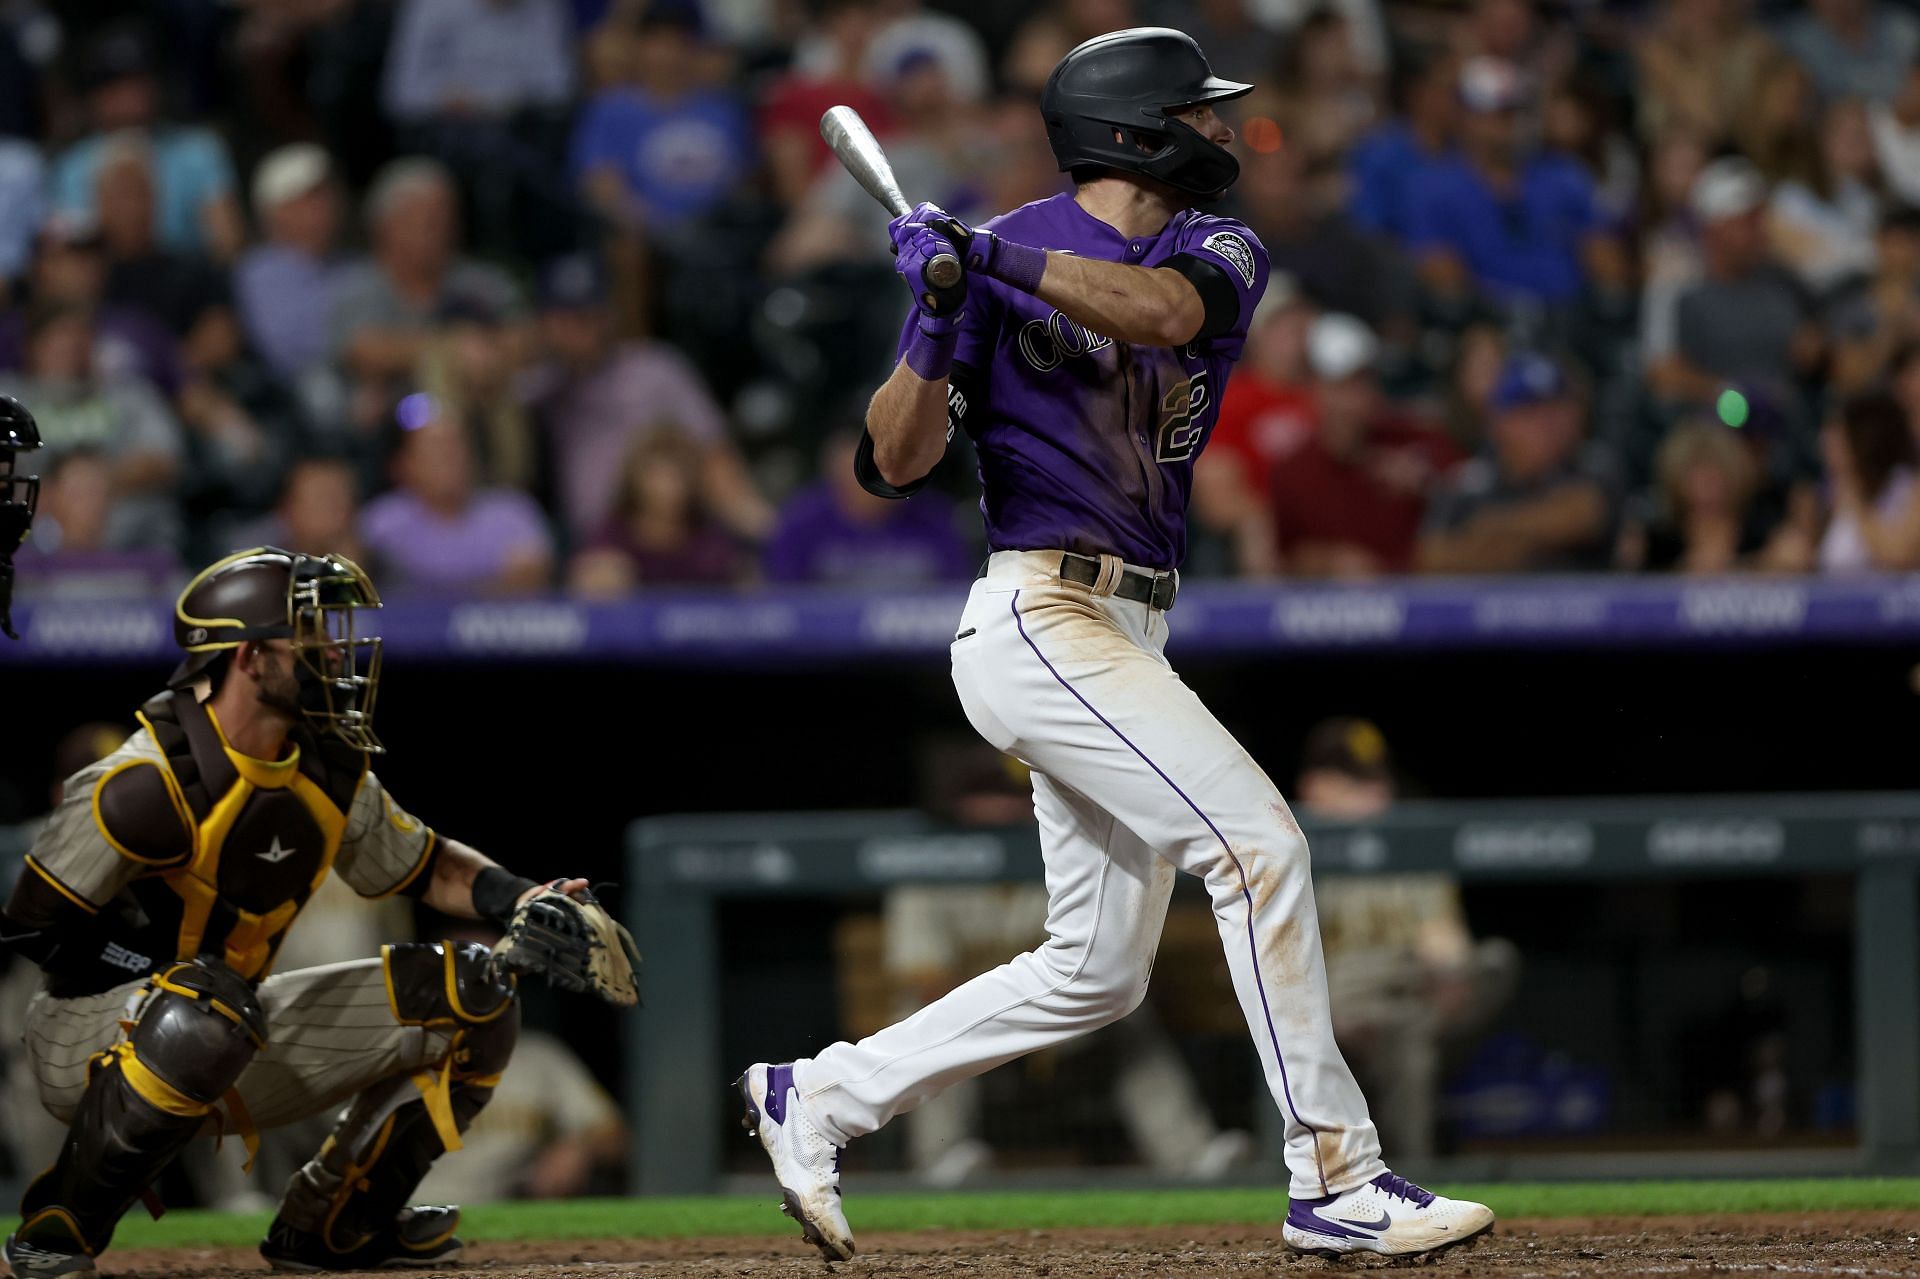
(1381, 1224)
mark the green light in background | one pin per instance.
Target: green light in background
(1732, 408)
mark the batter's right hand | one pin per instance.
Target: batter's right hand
(916, 243)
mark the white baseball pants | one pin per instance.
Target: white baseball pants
(1133, 778)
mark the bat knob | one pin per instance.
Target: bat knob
(943, 270)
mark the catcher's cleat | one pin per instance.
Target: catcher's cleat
(419, 1239)
(31, 1261)
(1387, 1215)
(805, 1162)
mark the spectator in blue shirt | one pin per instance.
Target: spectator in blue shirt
(195, 210)
(1520, 225)
(1385, 162)
(284, 286)
(664, 148)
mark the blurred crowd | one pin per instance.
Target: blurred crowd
(508, 296)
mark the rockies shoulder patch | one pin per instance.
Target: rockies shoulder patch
(1235, 249)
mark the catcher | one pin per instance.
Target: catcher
(19, 496)
(163, 884)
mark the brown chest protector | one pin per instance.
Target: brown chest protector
(265, 836)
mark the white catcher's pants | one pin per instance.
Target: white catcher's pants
(1133, 778)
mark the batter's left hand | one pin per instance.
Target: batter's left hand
(919, 236)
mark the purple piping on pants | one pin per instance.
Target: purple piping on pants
(1246, 891)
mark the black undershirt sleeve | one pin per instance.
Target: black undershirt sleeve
(965, 387)
(1216, 291)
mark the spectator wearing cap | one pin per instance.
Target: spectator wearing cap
(184, 291)
(1383, 164)
(1748, 321)
(1519, 224)
(665, 147)
(1266, 413)
(1348, 500)
(438, 531)
(835, 533)
(285, 285)
(195, 209)
(1539, 499)
(595, 396)
(1872, 322)
(70, 269)
(1411, 986)
(1854, 48)
(385, 305)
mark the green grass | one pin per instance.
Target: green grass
(1052, 1210)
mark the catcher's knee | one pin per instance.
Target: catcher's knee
(447, 982)
(200, 1028)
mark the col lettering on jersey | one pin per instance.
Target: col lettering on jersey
(1087, 444)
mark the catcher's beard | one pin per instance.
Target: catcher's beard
(280, 687)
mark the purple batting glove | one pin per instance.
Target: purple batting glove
(919, 239)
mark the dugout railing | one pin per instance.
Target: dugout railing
(686, 867)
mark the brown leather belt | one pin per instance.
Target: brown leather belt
(1155, 590)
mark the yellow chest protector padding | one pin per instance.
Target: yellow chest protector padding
(264, 833)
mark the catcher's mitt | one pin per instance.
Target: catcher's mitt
(574, 944)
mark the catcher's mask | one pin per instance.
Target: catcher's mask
(19, 495)
(308, 600)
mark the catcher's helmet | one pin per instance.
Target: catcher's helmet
(19, 495)
(310, 600)
(1129, 80)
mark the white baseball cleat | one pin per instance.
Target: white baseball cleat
(805, 1162)
(1387, 1215)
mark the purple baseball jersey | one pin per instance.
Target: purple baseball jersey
(1087, 444)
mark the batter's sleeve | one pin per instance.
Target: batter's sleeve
(117, 820)
(1228, 265)
(385, 849)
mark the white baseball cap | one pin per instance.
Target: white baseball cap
(1340, 346)
(1730, 187)
(289, 173)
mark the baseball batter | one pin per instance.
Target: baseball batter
(1085, 354)
(161, 888)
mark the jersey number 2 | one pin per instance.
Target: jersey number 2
(1181, 409)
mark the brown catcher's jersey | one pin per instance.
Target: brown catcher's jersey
(177, 845)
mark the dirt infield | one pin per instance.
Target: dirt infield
(1812, 1244)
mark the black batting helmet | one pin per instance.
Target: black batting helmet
(19, 495)
(311, 600)
(1128, 81)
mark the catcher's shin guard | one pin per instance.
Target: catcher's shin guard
(146, 1097)
(353, 1191)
